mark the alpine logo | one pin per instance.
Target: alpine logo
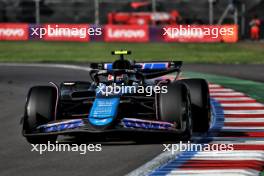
(127, 33)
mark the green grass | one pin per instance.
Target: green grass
(251, 88)
(36, 51)
(262, 173)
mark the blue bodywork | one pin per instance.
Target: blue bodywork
(104, 110)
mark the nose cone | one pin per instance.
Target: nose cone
(104, 111)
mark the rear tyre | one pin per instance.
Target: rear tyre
(200, 98)
(175, 107)
(40, 109)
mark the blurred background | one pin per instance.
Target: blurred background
(132, 24)
(130, 12)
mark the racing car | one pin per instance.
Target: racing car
(154, 100)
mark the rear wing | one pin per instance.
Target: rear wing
(144, 66)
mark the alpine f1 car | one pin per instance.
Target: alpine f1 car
(124, 99)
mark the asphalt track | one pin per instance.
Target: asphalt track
(16, 157)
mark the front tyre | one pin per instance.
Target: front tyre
(175, 107)
(39, 110)
(200, 99)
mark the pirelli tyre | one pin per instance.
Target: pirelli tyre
(40, 109)
(175, 107)
(200, 98)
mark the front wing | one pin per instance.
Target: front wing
(127, 126)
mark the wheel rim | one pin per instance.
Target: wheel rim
(187, 121)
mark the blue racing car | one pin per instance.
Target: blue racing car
(127, 99)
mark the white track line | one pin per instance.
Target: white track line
(230, 138)
(244, 112)
(237, 117)
(247, 142)
(227, 94)
(227, 157)
(242, 128)
(242, 105)
(244, 119)
(234, 99)
(242, 153)
(216, 172)
(222, 90)
(212, 86)
(148, 167)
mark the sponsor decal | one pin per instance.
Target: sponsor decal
(13, 31)
(126, 33)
